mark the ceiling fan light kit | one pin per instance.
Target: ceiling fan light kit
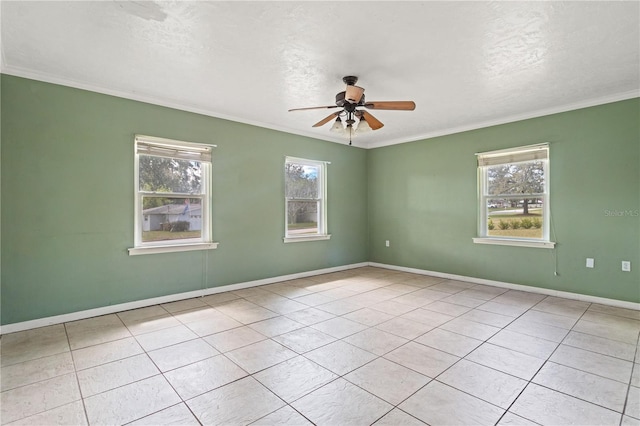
(349, 101)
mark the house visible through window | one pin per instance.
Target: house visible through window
(172, 193)
(514, 195)
(305, 200)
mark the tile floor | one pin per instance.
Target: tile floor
(359, 347)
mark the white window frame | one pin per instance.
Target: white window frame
(322, 233)
(524, 154)
(168, 148)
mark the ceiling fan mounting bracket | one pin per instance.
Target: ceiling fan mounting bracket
(350, 80)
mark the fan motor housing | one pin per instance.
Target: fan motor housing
(343, 103)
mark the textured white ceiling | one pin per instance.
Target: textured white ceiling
(465, 64)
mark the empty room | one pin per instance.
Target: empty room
(319, 213)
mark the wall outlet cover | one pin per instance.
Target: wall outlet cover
(590, 262)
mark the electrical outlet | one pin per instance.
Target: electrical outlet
(626, 266)
(589, 262)
(386, 243)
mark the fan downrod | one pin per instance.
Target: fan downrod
(350, 80)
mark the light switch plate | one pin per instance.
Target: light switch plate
(626, 266)
(589, 262)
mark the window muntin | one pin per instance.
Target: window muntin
(514, 194)
(305, 199)
(172, 192)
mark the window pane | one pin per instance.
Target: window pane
(301, 181)
(302, 217)
(159, 174)
(171, 219)
(515, 217)
(514, 179)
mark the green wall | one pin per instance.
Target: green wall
(67, 202)
(422, 197)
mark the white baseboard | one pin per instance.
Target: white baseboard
(511, 286)
(74, 316)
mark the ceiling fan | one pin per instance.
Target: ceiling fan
(350, 100)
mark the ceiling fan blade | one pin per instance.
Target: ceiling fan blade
(373, 122)
(353, 94)
(326, 120)
(392, 105)
(318, 107)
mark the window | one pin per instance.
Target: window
(173, 200)
(514, 197)
(305, 200)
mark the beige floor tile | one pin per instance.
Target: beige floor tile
(36, 370)
(94, 331)
(285, 416)
(340, 307)
(622, 322)
(546, 406)
(201, 313)
(294, 378)
(591, 362)
(447, 341)
(234, 338)
(428, 317)
(471, 329)
(449, 309)
(489, 318)
(31, 344)
(612, 310)
(376, 341)
(105, 352)
(635, 376)
(203, 376)
(483, 382)
(276, 326)
(405, 328)
(633, 403)
(211, 326)
(368, 316)
(423, 359)
(608, 331)
(340, 357)
(36, 398)
(238, 403)
(309, 316)
(304, 339)
(397, 417)
(555, 305)
(162, 338)
(510, 419)
(519, 298)
(339, 327)
(589, 387)
(629, 421)
(70, 415)
(179, 355)
(482, 292)
(459, 299)
(534, 346)
(260, 355)
(248, 316)
(109, 376)
(183, 305)
(349, 404)
(130, 402)
(448, 406)
(451, 287)
(218, 298)
(535, 329)
(548, 318)
(314, 299)
(601, 345)
(506, 360)
(149, 325)
(392, 308)
(503, 309)
(177, 415)
(387, 380)
(135, 315)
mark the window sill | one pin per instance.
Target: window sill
(171, 249)
(307, 238)
(516, 243)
